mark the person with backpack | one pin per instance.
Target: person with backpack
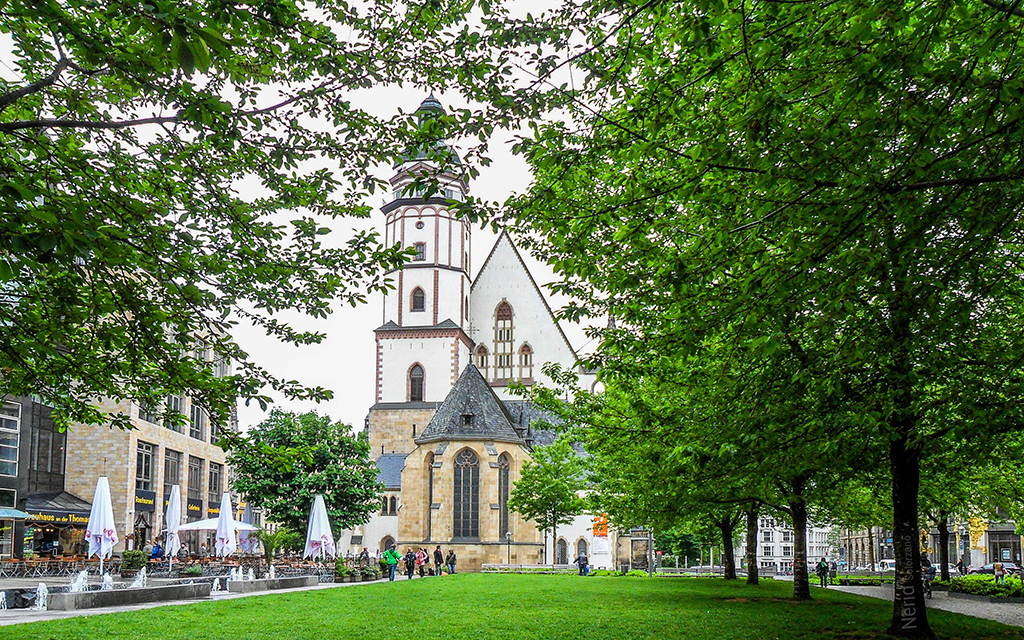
(422, 560)
(449, 561)
(391, 558)
(581, 562)
(410, 562)
(822, 571)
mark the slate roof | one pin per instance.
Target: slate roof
(391, 465)
(471, 396)
(60, 501)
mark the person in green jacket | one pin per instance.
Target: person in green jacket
(391, 557)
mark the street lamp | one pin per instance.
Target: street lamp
(508, 539)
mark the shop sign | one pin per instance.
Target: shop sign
(213, 511)
(194, 509)
(145, 500)
(58, 517)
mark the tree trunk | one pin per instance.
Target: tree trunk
(752, 544)
(909, 616)
(871, 547)
(728, 528)
(801, 584)
(943, 526)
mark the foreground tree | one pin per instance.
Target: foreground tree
(547, 491)
(326, 459)
(839, 180)
(162, 177)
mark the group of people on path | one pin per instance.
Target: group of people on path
(419, 560)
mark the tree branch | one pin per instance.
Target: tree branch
(13, 96)
(55, 123)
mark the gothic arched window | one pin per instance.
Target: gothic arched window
(416, 383)
(504, 466)
(581, 547)
(562, 552)
(384, 506)
(418, 300)
(466, 512)
(525, 362)
(503, 342)
(481, 359)
(393, 506)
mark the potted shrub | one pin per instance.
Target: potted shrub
(131, 562)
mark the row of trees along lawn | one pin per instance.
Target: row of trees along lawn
(806, 220)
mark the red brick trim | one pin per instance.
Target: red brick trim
(437, 297)
(424, 332)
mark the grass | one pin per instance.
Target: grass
(523, 607)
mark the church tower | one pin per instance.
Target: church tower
(422, 345)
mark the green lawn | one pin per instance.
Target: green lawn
(515, 606)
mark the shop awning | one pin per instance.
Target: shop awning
(13, 514)
(57, 508)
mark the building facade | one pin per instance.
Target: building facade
(776, 541)
(448, 436)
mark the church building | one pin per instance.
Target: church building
(448, 437)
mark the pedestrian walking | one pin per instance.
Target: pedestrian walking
(438, 560)
(391, 558)
(422, 560)
(450, 560)
(822, 571)
(960, 567)
(581, 562)
(410, 562)
(364, 557)
(1000, 572)
(833, 570)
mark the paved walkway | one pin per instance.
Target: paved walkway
(20, 616)
(1007, 613)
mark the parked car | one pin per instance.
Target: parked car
(1009, 566)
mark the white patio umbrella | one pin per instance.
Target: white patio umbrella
(319, 539)
(100, 531)
(173, 520)
(246, 542)
(225, 545)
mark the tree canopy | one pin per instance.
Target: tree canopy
(169, 169)
(833, 187)
(327, 459)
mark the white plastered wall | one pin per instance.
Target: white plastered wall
(505, 278)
